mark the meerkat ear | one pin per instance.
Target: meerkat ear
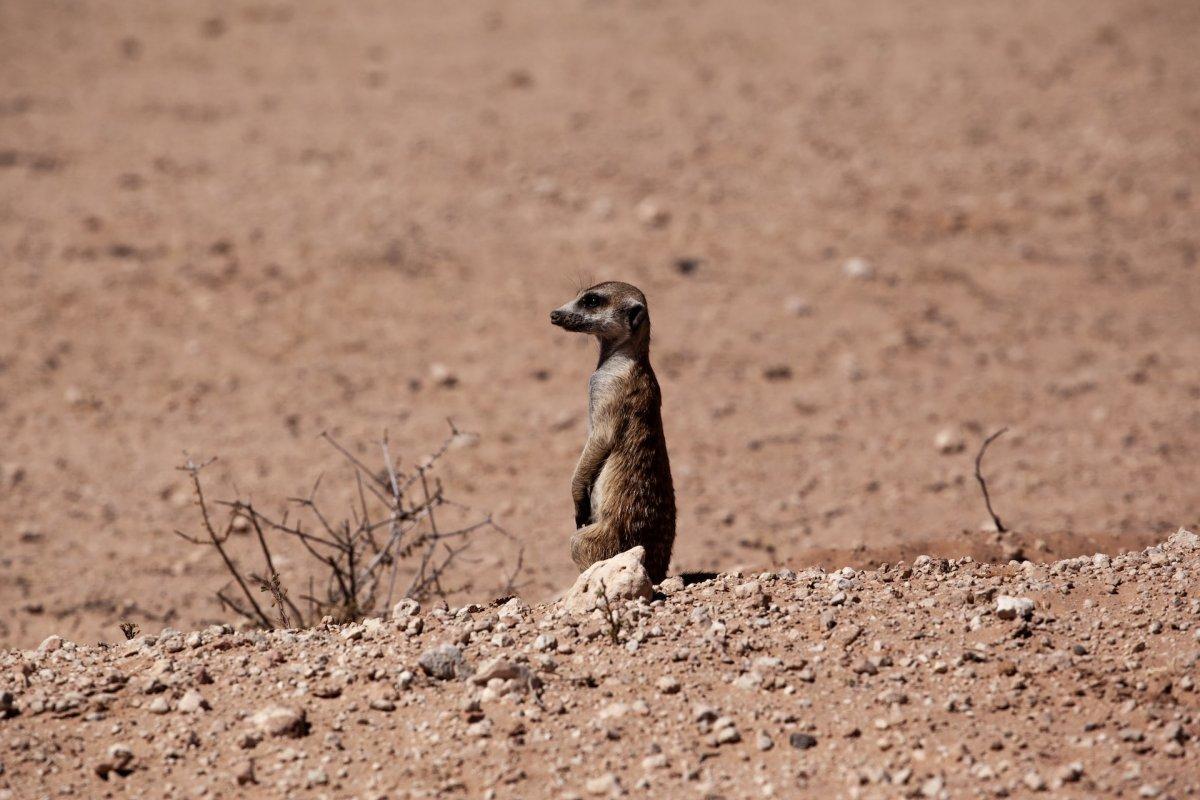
(637, 316)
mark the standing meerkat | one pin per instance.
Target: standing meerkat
(622, 485)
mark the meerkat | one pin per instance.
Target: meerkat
(622, 486)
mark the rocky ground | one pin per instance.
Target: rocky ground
(929, 679)
(870, 233)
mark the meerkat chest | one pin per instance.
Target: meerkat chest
(604, 385)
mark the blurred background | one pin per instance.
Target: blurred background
(871, 234)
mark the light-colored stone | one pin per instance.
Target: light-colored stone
(443, 662)
(192, 702)
(502, 669)
(623, 577)
(1013, 607)
(672, 585)
(50, 644)
(281, 721)
(949, 440)
(406, 608)
(1184, 539)
(858, 268)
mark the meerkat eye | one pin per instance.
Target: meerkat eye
(591, 300)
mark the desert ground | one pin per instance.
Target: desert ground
(871, 235)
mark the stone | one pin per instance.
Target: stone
(245, 773)
(802, 741)
(281, 721)
(444, 662)
(1034, 781)
(672, 585)
(442, 376)
(668, 684)
(651, 214)
(606, 784)
(1184, 540)
(1070, 773)
(728, 735)
(502, 669)
(949, 441)
(623, 577)
(858, 268)
(50, 644)
(1013, 607)
(406, 608)
(192, 702)
(118, 759)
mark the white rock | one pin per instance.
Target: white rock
(50, 644)
(651, 214)
(192, 702)
(500, 668)
(949, 440)
(604, 784)
(672, 585)
(623, 577)
(406, 608)
(1184, 540)
(281, 721)
(1012, 607)
(858, 268)
(668, 684)
(442, 375)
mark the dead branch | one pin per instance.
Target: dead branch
(218, 541)
(611, 617)
(357, 568)
(987, 500)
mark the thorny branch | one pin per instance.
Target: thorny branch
(987, 500)
(360, 566)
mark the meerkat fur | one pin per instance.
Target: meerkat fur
(621, 488)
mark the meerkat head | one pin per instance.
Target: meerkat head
(613, 312)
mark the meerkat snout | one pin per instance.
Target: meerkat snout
(622, 486)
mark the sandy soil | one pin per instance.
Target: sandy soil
(935, 679)
(228, 227)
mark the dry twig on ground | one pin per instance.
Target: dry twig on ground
(987, 499)
(394, 528)
(611, 617)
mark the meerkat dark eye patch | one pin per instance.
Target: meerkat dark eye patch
(636, 315)
(591, 300)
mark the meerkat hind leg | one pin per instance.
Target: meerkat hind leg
(592, 543)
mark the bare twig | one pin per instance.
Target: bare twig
(279, 600)
(611, 617)
(218, 541)
(357, 566)
(983, 483)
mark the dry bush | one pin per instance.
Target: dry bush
(393, 528)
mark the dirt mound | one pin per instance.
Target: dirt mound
(931, 679)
